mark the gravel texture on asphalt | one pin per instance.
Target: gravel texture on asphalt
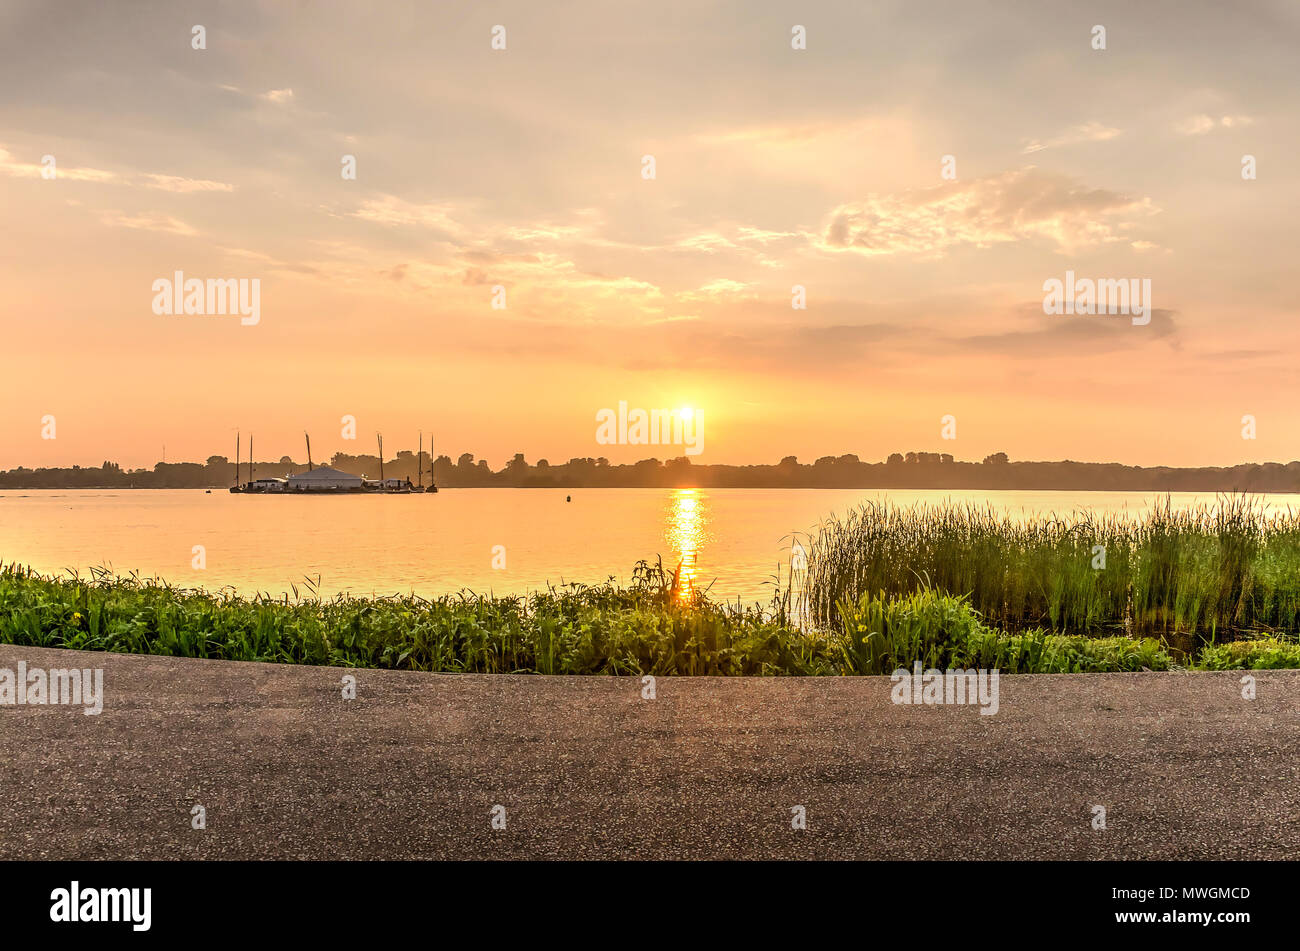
(585, 768)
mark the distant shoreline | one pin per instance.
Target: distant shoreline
(559, 488)
(915, 471)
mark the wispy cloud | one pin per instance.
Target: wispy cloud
(1088, 132)
(397, 212)
(148, 222)
(1203, 124)
(177, 183)
(708, 242)
(9, 165)
(1068, 337)
(1019, 205)
(719, 287)
(764, 237)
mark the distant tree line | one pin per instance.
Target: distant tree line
(913, 470)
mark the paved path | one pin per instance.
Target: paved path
(587, 769)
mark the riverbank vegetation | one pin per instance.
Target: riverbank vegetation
(647, 627)
(1212, 574)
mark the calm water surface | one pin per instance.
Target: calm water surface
(733, 539)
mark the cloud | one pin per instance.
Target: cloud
(9, 165)
(171, 183)
(146, 222)
(397, 212)
(176, 183)
(719, 287)
(1202, 124)
(1088, 132)
(709, 242)
(270, 263)
(702, 345)
(763, 237)
(1069, 336)
(542, 232)
(1015, 206)
(537, 284)
(278, 95)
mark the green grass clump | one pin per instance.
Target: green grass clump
(943, 631)
(1264, 653)
(1039, 652)
(881, 635)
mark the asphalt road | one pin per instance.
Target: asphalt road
(586, 768)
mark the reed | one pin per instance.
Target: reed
(1209, 573)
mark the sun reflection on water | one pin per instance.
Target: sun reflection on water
(686, 520)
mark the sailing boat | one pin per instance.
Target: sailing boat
(419, 466)
(432, 487)
(235, 488)
(387, 486)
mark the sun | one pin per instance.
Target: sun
(686, 412)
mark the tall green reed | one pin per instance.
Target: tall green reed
(1209, 571)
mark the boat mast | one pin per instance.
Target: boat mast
(419, 463)
(308, 435)
(236, 457)
(380, 437)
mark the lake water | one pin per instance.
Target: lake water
(733, 539)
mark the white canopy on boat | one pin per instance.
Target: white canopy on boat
(323, 477)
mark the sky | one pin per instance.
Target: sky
(523, 169)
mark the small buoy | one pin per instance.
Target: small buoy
(568, 498)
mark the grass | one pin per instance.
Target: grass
(943, 631)
(647, 627)
(1264, 653)
(1208, 574)
(644, 628)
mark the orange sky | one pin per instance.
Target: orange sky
(774, 167)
